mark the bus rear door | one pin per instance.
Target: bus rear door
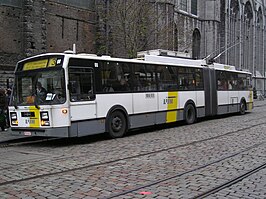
(210, 91)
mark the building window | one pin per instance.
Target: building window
(183, 5)
(194, 7)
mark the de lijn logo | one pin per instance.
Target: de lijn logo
(169, 100)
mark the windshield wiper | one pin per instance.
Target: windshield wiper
(35, 102)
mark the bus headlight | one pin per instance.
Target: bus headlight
(44, 118)
(14, 118)
(64, 111)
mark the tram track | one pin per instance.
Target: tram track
(152, 152)
(230, 182)
(155, 182)
(127, 158)
(207, 193)
(21, 142)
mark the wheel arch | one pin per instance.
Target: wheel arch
(117, 108)
(190, 116)
(242, 106)
(243, 99)
(190, 101)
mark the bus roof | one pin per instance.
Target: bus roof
(149, 59)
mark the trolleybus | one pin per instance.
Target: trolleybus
(73, 95)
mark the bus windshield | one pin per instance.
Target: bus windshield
(39, 87)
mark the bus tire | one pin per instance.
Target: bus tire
(242, 107)
(190, 114)
(116, 124)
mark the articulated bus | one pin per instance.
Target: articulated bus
(86, 94)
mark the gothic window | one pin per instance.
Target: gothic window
(196, 44)
(175, 37)
(233, 42)
(248, 37)
(259, 43)
(194, 7)
(183, 5)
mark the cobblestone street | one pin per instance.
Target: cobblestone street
(182, 161)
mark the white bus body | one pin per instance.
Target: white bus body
(83, 98)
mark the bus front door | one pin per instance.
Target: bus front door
(82, 115)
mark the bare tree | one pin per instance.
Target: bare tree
(129, 26)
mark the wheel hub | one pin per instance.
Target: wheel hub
(116, 124)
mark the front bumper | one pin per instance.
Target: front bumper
(47, 132)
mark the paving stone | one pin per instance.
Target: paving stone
(213, 140)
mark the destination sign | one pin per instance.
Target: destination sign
(35, 64)
(43, 63)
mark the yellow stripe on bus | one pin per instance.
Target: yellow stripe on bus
(172, 104)
(250, 104)
(35, 121)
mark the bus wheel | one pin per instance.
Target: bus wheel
(117, 125)
(190, 114)
(242, 109)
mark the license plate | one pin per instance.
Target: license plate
(28, 133)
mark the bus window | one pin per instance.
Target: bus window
(115, 77)
(144, 78)
(167, 78)
(222, 83)
(191, 78)
(81, 84)
(199, 79)
(25, 94)
(243, 82)
(123, 77)
(248, 82)
(186, 78)
(232, 81)
(151, 78)
(52, 82)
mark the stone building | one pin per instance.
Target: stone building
(30, 27)
(244, 26)
(234, 28)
